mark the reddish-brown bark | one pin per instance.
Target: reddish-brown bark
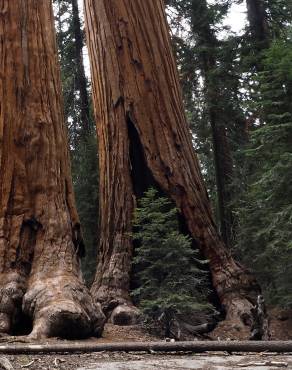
(40, 240)
(144, 140)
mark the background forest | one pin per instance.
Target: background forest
(237, 89)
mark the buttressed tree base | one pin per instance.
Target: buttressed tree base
(144, 141)
(40, 239)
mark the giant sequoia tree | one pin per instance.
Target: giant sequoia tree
(144, 141)
(40, 239)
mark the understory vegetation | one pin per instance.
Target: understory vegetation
(171, 282)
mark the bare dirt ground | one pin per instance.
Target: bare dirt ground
(280, 327)
(134, 333)
(281, 324)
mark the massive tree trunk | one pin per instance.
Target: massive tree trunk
(144, 141)
(40, 239)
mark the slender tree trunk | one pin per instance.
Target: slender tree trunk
(221, 148)
(258, 22)
(224, 176)
(144, 141)
(81, 82)
(40, 239)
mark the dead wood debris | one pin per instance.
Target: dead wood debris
(265, 363)
(28, 365)
(57, 360)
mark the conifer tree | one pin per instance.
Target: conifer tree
(171, 280)
(264, 236)
(263, 233)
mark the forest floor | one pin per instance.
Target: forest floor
(280, 326)
(157, 361)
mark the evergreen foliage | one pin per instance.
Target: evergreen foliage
(252, 82)
(81, 128)
(265, 232)
(172, 282)
(210, 77)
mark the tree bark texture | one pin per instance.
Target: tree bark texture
(224, 176)
(258, 22)
(191, 346)
(40, 238)
(144, 140)
(81, 81)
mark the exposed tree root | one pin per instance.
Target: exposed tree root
(62, 306)
(125, 314)
(12, 289)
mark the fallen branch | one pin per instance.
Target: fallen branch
(28, 365)
(265, 363)
(194, 346)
